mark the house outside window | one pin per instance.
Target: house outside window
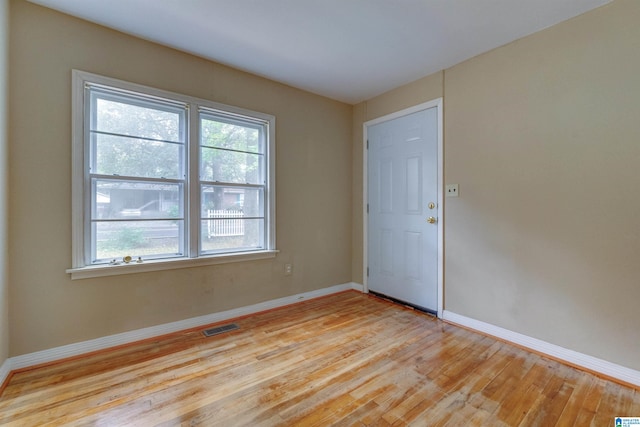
(160, 176)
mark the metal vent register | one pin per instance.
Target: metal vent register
(220, 330)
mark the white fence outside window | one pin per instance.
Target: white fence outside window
(230, 223)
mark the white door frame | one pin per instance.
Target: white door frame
(437, 103)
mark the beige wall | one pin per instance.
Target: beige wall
(543, 137)
(313, 176)
(4, 138)
(409, 95)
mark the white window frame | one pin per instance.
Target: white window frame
(81, 265)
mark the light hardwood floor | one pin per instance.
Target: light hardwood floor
(347, 359)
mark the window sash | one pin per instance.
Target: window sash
(113, 238)
(232, 163)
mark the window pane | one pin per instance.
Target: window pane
(232, 235)
(230, 166)
(217, 133)
(147, 239)
(128, 119)
(137, 157)
(113, 199)
(231, 201)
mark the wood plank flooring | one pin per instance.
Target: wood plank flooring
(347, 359)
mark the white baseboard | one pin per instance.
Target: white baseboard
(5, 370)
(591, 363)
(58, 353)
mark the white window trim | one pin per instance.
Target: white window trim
(79, 268)
(166, 264)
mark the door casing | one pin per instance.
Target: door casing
(437, 103)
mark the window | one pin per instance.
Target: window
(162, 177)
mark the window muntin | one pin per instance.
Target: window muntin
(137, 178)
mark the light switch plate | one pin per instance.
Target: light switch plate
(451, 190)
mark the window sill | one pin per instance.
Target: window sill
(165, 264)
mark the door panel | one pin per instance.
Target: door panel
(403, 179)
(386, 252)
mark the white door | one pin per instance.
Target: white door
(403, 198)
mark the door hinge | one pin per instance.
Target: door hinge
(367, 271)
(367, 207)
(367, 144)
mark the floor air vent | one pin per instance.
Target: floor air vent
(220, 330)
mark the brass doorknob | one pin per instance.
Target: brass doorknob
(431, 220)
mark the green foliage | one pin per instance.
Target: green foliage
(137, 156)
(220, 164)
(230, 136)
(231, 152)
(126, 239)
(174, 211)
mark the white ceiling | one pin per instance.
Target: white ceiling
(349, 50)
